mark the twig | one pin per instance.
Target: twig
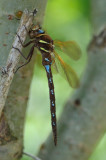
(13, 57)
(29, 155)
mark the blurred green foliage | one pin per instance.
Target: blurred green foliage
(64, 20)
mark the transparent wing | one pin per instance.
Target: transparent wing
(70, 48)
(38, 62)
(66, 71)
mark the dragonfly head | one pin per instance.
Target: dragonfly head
(35, 31)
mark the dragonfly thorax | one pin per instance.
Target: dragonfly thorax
(45, 43)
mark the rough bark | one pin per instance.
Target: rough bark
(13, 100)
(83, 121)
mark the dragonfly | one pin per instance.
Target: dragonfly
(50, 58)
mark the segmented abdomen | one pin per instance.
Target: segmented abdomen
(46, 63)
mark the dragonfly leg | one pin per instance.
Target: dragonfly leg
(24, 45)
(27, 30)
(20, 53)
(28, 57)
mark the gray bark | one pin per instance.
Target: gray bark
(13, 100)
(83, 121)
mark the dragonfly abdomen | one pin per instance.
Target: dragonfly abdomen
(46, 61)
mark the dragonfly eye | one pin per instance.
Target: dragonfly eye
(40, 31)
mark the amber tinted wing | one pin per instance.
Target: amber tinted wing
(70, 48)
(38, 62)
(66, 71)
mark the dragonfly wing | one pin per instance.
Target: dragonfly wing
(70, 48)
(66, 71)
(38, 62)
(54, 66)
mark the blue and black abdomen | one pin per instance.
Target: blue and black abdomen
(46, 61)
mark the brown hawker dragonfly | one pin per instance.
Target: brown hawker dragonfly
(47, 46)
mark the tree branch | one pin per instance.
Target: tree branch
(13, 105)
(13, 58)
(31, 156)
(83, 121)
